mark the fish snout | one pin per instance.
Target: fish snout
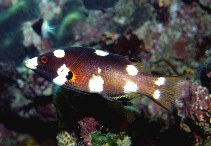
(31, 63)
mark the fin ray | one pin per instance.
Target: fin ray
(163, 90)
(128, 96)
(142, 67)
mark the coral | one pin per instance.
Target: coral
(195, 106)
(124, 142)
(205, 5)
(162, 11)
(32, 85)
(21, 103)
(120, 139)
(127, 18)
(124, 14)
(10, 138)
(49, 9)
(88, 125)
(128, 44)
(30, 37)
(198, 105)
(66, 139)
(90, 32)
(204, 74)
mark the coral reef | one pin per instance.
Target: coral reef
(128, 45)
(110, 139)
(171, 37)
(66, 139)
(29, 107)
(88, 125)
(195, 106)
(89, 32)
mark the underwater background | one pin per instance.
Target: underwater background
(172, 37)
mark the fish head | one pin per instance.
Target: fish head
(49, 65)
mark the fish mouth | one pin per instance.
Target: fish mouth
(31, 63)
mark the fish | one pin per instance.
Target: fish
(88, 70)
(43, 28)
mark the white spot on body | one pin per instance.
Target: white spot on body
(156, 94)
(130, 87)
(132, 70)
(98, 70)
(160, 81)
(59, 53)
(101, 53)
(32, 63)
(62, 74)
(96, 84)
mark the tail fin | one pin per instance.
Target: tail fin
(163, 90)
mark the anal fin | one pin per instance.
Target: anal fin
(127, 96)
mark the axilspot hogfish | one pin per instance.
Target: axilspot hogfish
(113, 76)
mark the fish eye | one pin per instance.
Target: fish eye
(44, 59)
(70, 75)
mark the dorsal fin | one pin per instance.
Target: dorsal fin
(142, 67)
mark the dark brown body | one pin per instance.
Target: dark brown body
(82, 68)
(85, 63)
